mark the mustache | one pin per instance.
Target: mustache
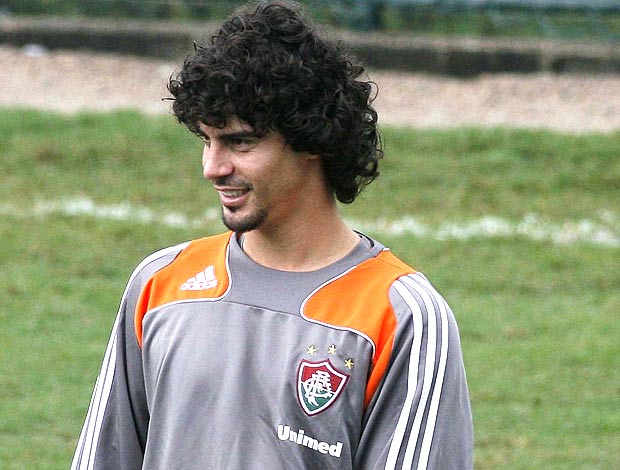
(232, 181)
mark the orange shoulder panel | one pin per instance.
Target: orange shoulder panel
(359, 301)
(199, 271)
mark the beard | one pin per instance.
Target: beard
(242, 224)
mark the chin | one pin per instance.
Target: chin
(243, 223)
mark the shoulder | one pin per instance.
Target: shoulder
(424, 316)
(417, 291)
(154, 262)
(359, 299)
(377, 297)
(178, 257)
(414, 295)
(187, 272)
(177, 253)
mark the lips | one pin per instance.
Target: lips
(234, 193)
(233, 197)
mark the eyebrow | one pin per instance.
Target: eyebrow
(249, 134)
(233, 135)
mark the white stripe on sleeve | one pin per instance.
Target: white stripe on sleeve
(436, 302)
(412, 376)
(85, 453)
(84, 457)
(427, 305)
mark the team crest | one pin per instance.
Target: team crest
(319, 384)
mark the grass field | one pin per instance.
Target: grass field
(448, 19)
(538, 311)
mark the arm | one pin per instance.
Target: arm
(420, 417)
(114, 431)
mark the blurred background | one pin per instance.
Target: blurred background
(501, 126)
(571, 19)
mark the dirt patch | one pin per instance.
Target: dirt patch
(76, 81)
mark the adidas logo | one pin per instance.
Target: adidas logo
(201, 281)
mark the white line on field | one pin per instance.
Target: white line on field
(603, 230)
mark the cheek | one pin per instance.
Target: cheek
(279, 188)
(291, 178)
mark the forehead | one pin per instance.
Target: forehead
(234, 125)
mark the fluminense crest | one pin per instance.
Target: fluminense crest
(319, 384)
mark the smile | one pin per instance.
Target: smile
(233, 197)
(234, 193)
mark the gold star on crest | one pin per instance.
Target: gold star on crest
(311, 350)
(331, 349)
(349, 363)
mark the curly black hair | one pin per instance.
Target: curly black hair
(270, 68)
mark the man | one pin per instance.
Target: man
(292, 341)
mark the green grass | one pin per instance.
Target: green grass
(434, 20)
(521, 23)
(539, 322)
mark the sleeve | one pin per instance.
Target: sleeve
(420, 416)
(114, 432)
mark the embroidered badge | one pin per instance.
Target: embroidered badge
(319, 384)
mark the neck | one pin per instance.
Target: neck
(314, 244)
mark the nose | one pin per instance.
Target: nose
(215, 161)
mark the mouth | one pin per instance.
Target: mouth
(233, 193)
(233, 197)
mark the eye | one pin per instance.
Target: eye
(205, 140)
(242, 144)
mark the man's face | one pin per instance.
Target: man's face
(260, 180)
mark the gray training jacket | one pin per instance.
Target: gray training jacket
(216, 362)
